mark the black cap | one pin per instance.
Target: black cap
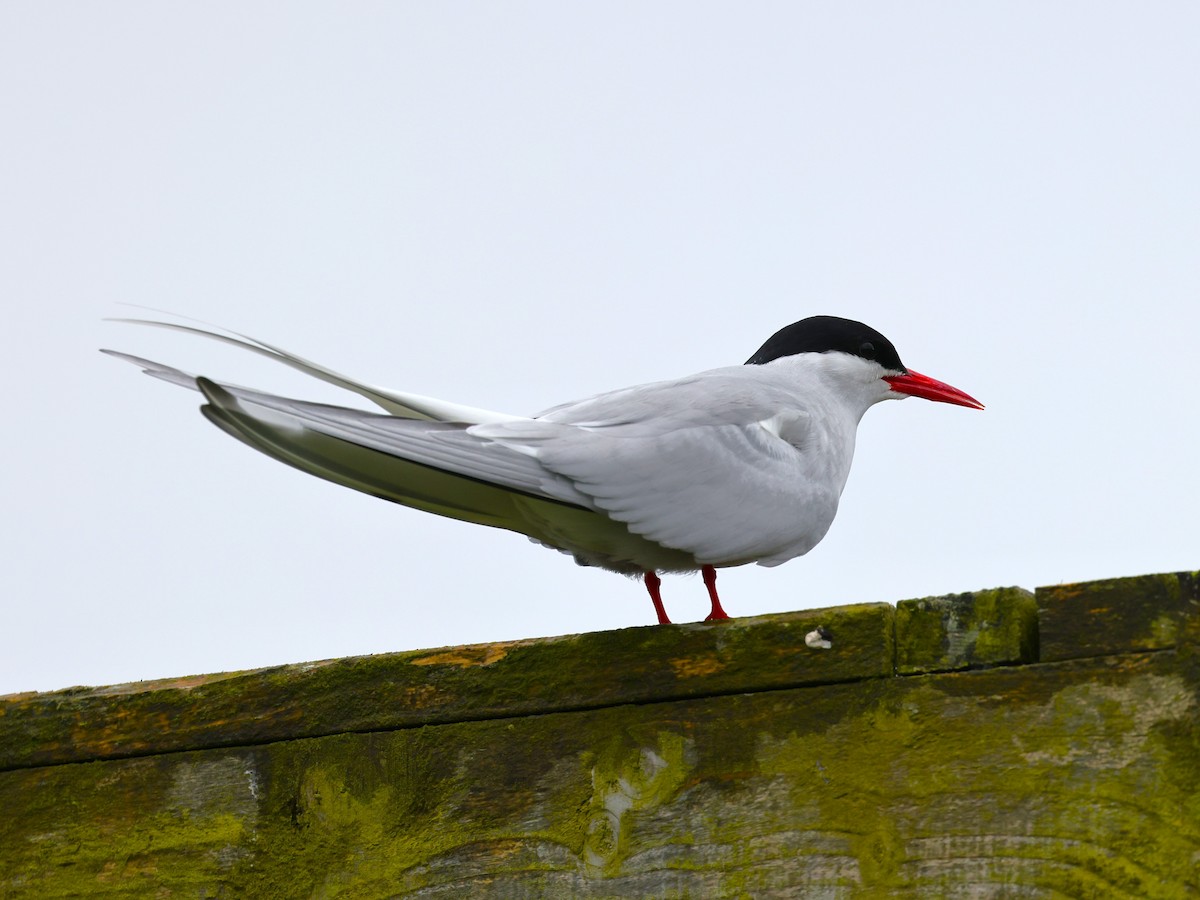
(826, 334)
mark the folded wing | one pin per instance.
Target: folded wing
(704, 465)
(437, 467)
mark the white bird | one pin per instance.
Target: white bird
(726, 467)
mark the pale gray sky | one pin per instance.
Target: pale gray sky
(515, 204)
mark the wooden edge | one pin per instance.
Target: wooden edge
(589, 671)
(398, 690)
(1118, 615)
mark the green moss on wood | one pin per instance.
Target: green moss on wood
(699, 761)
(1077, 778)
(959, 631)
(427, 687)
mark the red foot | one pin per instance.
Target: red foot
(710, 581)
(652, 585)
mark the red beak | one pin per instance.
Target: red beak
(919, 385)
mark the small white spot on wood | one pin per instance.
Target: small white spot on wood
(818, 639)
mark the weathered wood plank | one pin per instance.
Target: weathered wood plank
(1097, 618)
(1074, 779)
(633, 665)
(694, 761)
(962, 631)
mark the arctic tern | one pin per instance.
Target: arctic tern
(726, 467)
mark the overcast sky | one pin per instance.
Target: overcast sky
(515, 204)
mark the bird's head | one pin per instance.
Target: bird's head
(858, 355)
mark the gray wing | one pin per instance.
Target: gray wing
(716, 465)
(707, 469)
(433, 466)
(436, 467)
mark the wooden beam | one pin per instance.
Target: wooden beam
(733, 760)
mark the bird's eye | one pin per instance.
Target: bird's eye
(866, 350)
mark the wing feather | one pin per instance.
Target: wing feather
(308, 438)
(703, 465)
(444, 446)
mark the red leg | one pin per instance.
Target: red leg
(652, 584)
(710, 581)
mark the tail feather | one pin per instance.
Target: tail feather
(157, 370)
(398, 403)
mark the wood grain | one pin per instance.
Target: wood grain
(1072, 779)
(425, 687)
(1146, 612)
(1076, 777)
